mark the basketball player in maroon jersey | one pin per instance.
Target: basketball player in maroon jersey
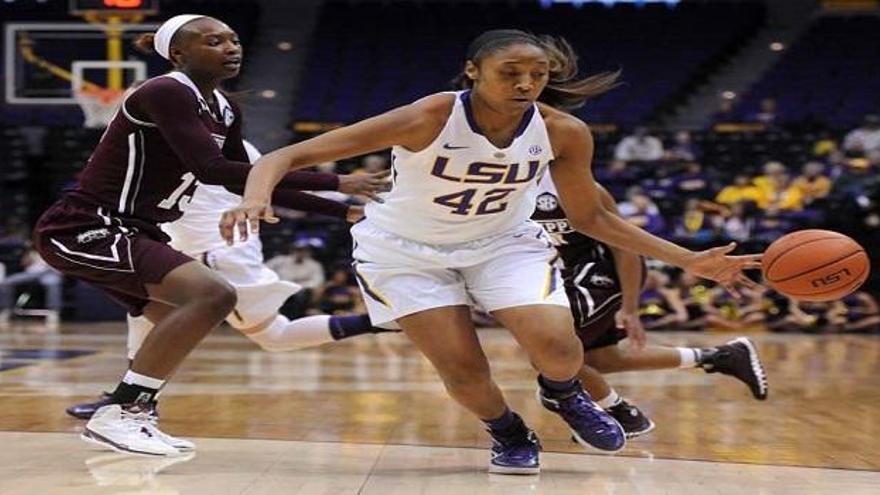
(170, 132)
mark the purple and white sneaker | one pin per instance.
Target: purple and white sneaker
(515, 455)
(590, 424)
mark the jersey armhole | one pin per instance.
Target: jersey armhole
(129, 116)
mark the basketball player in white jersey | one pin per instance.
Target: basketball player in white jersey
(260, 292)
(604, 284)
(455, 228)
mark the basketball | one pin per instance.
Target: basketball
(815, 265)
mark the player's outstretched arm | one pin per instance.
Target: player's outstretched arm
(412, 126)
(573, 147)
(628, 266)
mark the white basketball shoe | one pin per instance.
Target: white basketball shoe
(127, 431)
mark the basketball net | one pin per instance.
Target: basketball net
(98, 105)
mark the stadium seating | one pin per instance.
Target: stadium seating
(830, 75)
(368, 57)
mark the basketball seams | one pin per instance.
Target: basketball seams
(776, 258)
(848, 255)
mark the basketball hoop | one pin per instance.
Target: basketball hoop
(99, 105)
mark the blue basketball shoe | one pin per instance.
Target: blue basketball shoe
(590, 424)
(515, 454)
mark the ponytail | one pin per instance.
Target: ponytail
(144, 43)
(564, 90)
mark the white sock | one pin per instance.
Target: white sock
(610, 400)
(689, 357)
(138, 328)
(133, 378)
(284, 335)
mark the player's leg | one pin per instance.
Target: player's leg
(188, 302)
(261, 294)
(737, 358)
(138, 328)
(517, 282)
(446, 336)
(546, 334)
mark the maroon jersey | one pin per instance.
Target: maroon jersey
(163, 139)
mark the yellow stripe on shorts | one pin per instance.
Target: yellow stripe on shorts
(373, 293)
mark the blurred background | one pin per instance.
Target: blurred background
(737, 120)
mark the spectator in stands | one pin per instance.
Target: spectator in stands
(628, 206)
(862, 313)
(777, 188)
(661, 305)
(786, 195)
(727, 313)
(642, 212)
(696, 227)
(813, 183)
(340, 295)
(741, 190)
(683, 148)
(617, 177)
(767, 112)
(854, 180)
(725, 112)
(738, 225)
(299, 267)
(769, 182)
(825, 145)
(772, 225)
(696, 295)
(640, 146)
(34, 271)
(864, 139)
(693, 182)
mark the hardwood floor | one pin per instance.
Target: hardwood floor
(369, 414)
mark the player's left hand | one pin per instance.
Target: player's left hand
(715, 264)
(369, 185)
(632, 324)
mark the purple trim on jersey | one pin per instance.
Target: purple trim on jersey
(472, 122)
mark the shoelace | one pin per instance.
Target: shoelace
(135, 421)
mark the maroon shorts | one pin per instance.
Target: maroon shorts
(118, 254)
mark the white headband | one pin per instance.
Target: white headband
(162, 39)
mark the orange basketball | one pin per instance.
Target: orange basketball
(815, 265)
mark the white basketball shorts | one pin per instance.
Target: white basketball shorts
(400, 276)
(260, 292)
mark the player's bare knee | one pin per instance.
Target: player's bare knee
(219, 295)
(561, 348)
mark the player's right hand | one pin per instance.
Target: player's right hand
(632, 325)
(368, 184)
(245, 219)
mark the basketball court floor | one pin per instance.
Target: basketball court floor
(369, 416)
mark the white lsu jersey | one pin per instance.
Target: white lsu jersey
(198, 231)
(462, 187)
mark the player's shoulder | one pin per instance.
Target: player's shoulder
(564, 129)
(163, 87)
(435, 107)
